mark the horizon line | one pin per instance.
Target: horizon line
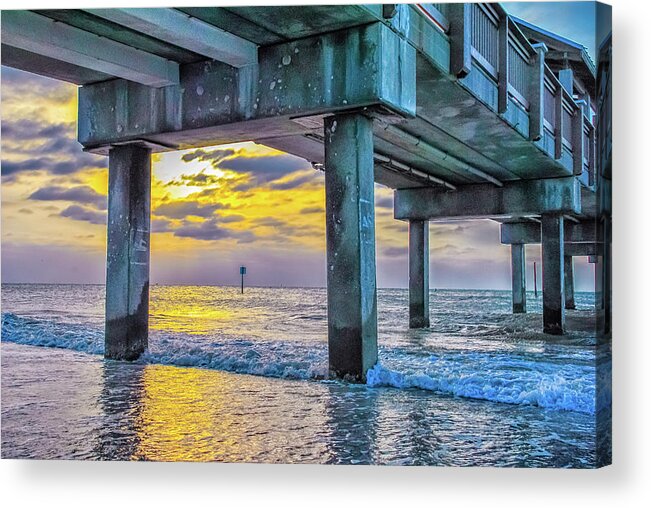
(257, 287)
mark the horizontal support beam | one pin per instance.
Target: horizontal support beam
(515, 199)
(529, 232)
(366, 66)
(176, 27)
(49, 67)
(583, 249)
(393, 134)
(43, 36)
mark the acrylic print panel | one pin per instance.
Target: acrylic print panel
(352, 234)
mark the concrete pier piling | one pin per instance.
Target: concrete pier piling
(518, 278)
(350, 235)
(569, 282)
(127, 260)
(553, 279)
(418, 274)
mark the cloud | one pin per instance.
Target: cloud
(451, 250)
(259, 169)
(77, 212)
(29, 145)
(161, 226)
(232, 218)
(182, 209)
(396, 252)
(79, 194)
(210, 230)
(24, 129)
(212, 156)
(265, 168)
(11, 167)
(201, 179)
(312, 209)
(270, 222)
(296, 181)
(286, 231)
(50, 165)
(384, 202)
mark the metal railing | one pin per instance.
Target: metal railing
(482, 36)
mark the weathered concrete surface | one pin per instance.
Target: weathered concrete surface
(40, 35)
(187, 32)
(127, 260)
(521, 198)
(355, 57)
(583, 249)
(569, 282)
(553, 278)
(350, 236)
(603, 277)
(537, 99)
(418, 274)
(530, 232)
(518, 278)
(216, 103)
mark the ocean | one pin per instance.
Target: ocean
(243, 378)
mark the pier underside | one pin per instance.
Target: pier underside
(370, 94)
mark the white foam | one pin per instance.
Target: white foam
(551, 381)
(502, 378)
(32, 332)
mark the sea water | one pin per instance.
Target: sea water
(232, 377)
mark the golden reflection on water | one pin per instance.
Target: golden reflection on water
(190, 414)
(186, 415)
(187, 310)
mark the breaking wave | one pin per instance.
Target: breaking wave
(511, 381)
(511, 378)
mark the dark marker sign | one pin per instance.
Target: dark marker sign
(242, 270)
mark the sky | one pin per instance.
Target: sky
(214, 209)
(572, 20)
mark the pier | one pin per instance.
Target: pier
(467, 112)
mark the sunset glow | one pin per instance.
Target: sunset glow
(213, 209)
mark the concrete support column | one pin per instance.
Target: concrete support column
(418, 274)
(127, 260)
(569, 283)
(553, 279)
(518, 278)
(350, 237)
(603, 273)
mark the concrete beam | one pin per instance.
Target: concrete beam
(350, 235)
(127, 260)
(553, 277)
(520, 198)
(529, 232)
(583, 249)
(460, 17)
(569, 282)
(537, 94)
(361, 67)
(38, 34)
(518, 278)
(176, 27)
(418, 274)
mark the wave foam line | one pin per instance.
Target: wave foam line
(502, 377)
(522, 386)
(33, 332)
(289, 360)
